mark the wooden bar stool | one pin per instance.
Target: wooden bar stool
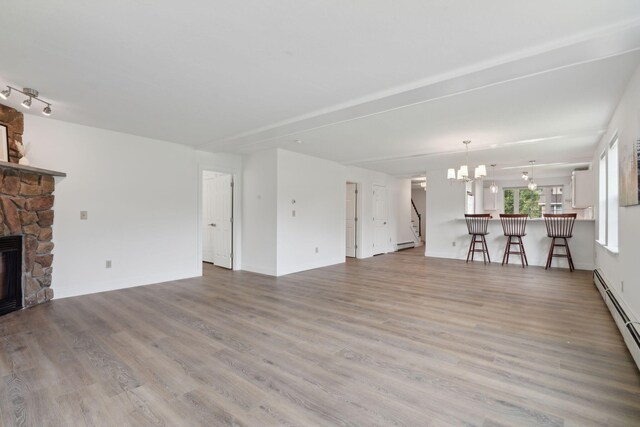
(560, 226)
(477, 225)
(514, 226)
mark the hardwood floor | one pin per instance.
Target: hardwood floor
(393, 340)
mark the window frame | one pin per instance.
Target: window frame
(608, 208)
(602, 199)
(613, 195)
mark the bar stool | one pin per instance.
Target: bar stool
(514, 225)
(560, 226)
(477, 225)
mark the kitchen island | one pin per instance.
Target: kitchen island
(536, 243)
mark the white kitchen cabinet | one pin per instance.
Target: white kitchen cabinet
(583, 189)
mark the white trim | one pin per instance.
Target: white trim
(613, 250)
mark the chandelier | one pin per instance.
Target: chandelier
(463, 172)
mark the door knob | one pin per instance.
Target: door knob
(385, 223)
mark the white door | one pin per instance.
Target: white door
(222, 220)
(380, 234)
(351, 220)
(207, 217)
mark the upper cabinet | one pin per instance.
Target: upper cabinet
(583, 189)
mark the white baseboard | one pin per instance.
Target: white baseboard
(608, 295)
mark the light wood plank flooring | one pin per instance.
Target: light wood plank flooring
(394, 340)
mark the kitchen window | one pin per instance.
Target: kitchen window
(533, 202)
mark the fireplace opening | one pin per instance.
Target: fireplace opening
(10, 274)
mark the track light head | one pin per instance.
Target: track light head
(47, 110)
(5, 93)
(27, 103)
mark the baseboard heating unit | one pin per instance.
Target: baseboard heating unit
(405, 245)
(628, 327)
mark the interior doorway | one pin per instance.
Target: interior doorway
(380, 218)
(351, 220)
(217, 219)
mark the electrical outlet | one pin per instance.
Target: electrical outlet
(84, 215)
(108, 264)
(453, 244)
(317, 249)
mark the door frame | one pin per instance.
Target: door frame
(358, 221)
(236, 228)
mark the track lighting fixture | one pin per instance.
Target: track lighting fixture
(31, 95)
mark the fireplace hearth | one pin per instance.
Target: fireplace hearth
(10, 274)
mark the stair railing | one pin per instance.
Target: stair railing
(419, 218)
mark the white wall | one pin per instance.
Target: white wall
(445, 205)
(318, 188)
(142, 201)
(259, 212)
(399, 193)
(623, 267)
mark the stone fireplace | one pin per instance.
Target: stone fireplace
(10, 274)
(26, 215)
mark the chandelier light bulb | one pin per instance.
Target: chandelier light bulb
(525, 176)
(493, 188)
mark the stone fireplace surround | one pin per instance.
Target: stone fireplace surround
(26, 209)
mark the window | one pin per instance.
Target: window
(608, 197)
(533, 203)
(602, 199)
(509, 201)
(555, 204)
(612, 196)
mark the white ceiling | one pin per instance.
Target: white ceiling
(389, 85)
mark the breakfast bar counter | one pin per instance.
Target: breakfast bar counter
(536, 243)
